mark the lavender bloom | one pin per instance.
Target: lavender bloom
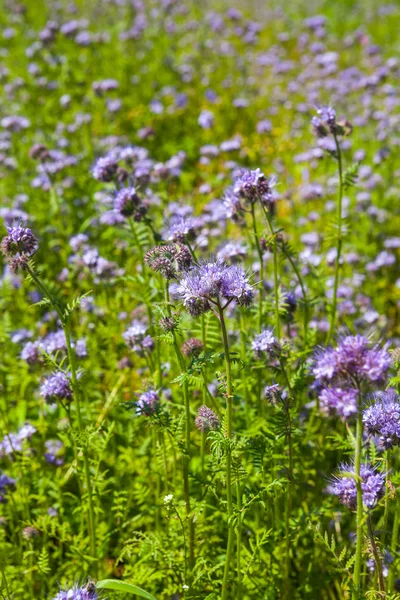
(265, 343)
(253, 185)
(80, 348)
(5, 482)
(30, 353)
(354, 357)
(168, 260)
(86, 592)
(206, 419)
(372, 485)
(342, 402)
(54, 342)
(126, 201)
(181, 228)
(325, 123)
(18, 245)
(148, 402)
(55, 387)
(211, 282)
(136, 338)
(53, 450)
(105, 169)
(383, 418)
(206, 119)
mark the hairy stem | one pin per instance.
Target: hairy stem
(360, 511)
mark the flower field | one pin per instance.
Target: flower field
(200, 298)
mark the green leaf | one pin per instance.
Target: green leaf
(122, 586)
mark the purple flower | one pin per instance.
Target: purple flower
(105, 169)
(86, 592)
(342, 402)
(212, 282)
(383, 418)
(206, 419)
(127, 201)
(148, 402)
(353, 358)
(372, 485)
(18, 245)
(55, 387)
(206, 119)
(169, 259)
(53, 450)
(5, 482)
(265, 343)
(252, 185)
(181, 228)
(30, 353)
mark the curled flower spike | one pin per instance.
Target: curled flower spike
(18, 246)
(148, 402)
(325, 123)
(254, 185)
(206, 419)
(86, 592)
(56, 387)
(266, 343)
(169, 260)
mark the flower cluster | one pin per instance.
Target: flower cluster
(136, 338)
(128, 203)
(325, 123)
(5, 483)
(372, 485)
(148, 402)
(169, 260)
(213, 283)
(265, 343)
(253, 185)
(383, 418)
(86, 592)
(56, 387)
(18, 246)
(339, 371)
(206, 419)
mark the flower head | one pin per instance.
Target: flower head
(56, 387)
(148, 402)
(372, 485)
(340, 401)
(206, 419)
(265, 343)
(169, 260)
(86, 592)
(18, 246)
(383, 418)
(253, 185)
(5, 483)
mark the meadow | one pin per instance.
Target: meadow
(200, 297)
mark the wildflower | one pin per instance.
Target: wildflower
(29, 533)
(273, 392)
(383, 418)
(168, 323)
(5, 483)
(266, 342)
(181, 228)
(127, 201)
(86, 592)
(148, 402)
(325, 123)
(254, 185)
(56, 387)
(53, 450)
(105, 169)
(372, 485)
(212, 282)
(338, 400)
(168, 260)
(206, 419)
(18, 246)
(168, 499)
(192, 347)
(30, 353)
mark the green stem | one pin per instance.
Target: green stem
(360, 511)
(238, 541)
(387, 492)
(77, 396)
(260, 255)
(339, 241)
(375, 552)
(276, 271)
(393, 545)
(304, 294)
(186, 456)
(229, 548)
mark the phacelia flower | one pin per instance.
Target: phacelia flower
(206, 419)
(5, 483)
(53, 450)
(105, 169)
(253, 185)
(18, 246)
(340, 401)
(273, 393)
(30, 353)
(325, 123)
(56, 387)
(181, 228)
(214, 282)
(192, 347)
(169, 260)
(127, 201)
(372, 485)
(383, 418)
(136, 338)
(353, 358)
(266, 343)
(86, 592)
(148, 402)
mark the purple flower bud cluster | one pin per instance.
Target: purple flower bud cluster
(206, 419)
(265, 343)
(325, 123)
(372, 485)
(213, 283)
(383, 418)
(128, 203)
(338, 370)
(169, 260)
(18, 246)
(6, 483)
(136, 338)
(56, 387)
(148, 402)
(253, 185)
(86, 592)
(53, 450)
